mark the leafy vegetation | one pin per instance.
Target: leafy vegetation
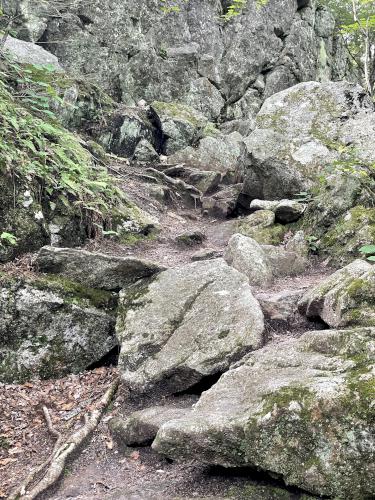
(368, 251)
(356, 20)
(233, 10)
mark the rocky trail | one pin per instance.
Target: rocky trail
(107, 468)
(187, 246)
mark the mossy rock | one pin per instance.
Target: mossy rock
(272, 235)
(301, 409)
(343, 240)
(51, 326)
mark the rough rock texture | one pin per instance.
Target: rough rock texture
(284, 262)
(143, 425)
(95, 270)
(223, 203)
(248, 257)
(218, 153)
(181, 125)
(204, 180)
(29, 53)
(137, 52)
(280, 306)
(345, 298)
(300, 409)
(303, 129)
(51, 326)
(188, 323)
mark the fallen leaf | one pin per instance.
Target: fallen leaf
(67, 406)
(134, 455)
(6, 461)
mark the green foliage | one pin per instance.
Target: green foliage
(234, 9)
(34, 147)
(8, 238)
(312, 242)
(368, 251)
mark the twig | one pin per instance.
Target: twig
(62, 452)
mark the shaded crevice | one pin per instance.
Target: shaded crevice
(108, 360)
(203, 385)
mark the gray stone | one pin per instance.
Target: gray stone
(125, 129)
(143, 425)
(145, 152)
(303, 129)
(204, 180)
(301, 409)
(30, 53)
(259, 219)
(263, 205)
(95, 270)
(346, 298)
(280, 306)
(135, 51)
(188, 323)
(181, 125)
(248, 257)
(206, 254)
(50, 327)
(223, 203)
(284, 262)
(190, 239)
(288, 211)
(298, 244)
(216, 153)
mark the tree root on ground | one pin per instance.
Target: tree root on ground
(62, 450)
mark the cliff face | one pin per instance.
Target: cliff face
(135, 51)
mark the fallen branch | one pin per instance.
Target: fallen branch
(62, 451)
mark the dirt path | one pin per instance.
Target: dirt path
(102, 470)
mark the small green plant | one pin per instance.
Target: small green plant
(304, 197)
(8, 239)
(368, 251)
(312, 242)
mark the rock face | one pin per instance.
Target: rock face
(300, 409)
(345, 298)
(301, 130)
(94, 270)
(188, 323)
(136, 51)
(50, 327)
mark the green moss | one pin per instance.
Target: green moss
(182, 112)
(75, 293)
(284, 396)
(273, 235)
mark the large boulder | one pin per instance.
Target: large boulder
(301, 409)
(345, 298)
(136, 51)
(51, 326)
(186, 324)
(94, 270)
(304, 129)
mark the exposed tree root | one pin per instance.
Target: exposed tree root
(62, 451)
